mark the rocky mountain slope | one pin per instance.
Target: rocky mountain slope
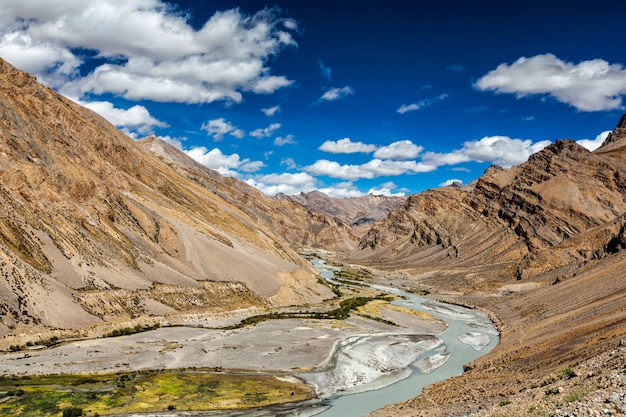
(302, 225)
(559, 302)
(93, 227)
(359, 213)
(561, 208)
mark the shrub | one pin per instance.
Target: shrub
(567, 373)
(73, 412)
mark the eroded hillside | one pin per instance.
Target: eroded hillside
(302, 226)
(560, 209)
(90, 220)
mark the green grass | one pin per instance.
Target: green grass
(145, 391)
(574, 396)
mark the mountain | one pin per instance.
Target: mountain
(95, 228)
(540, 248)
(560, 209)
(302, 226)
(359, 213)
(99, 229)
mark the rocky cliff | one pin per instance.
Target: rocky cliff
(94, 227)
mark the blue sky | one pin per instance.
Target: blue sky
(348, 97)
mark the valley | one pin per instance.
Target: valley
(373, 346)
(126, 257)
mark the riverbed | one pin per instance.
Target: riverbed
(468, 336)
(355, 365)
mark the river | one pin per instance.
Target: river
(369, 371)
(469, 336)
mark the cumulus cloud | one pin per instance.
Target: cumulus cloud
(421, 104)
(175, 142)
(450, 182)
(335, 94)
(372, 169)
(227, 165)
(404, 149)
(499, 150)
(288, 163)
(593, 144)
(53, 64)
(220, 127)
(386, 189)
(286, 183)
(346, 146)
(592, 85)
(225, 57)
(342, 190)
(265, 132)
(135, 119)
(271, 111)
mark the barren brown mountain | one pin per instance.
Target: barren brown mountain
(302, 225)
(359, 213)
(94, 227)
(541, 247)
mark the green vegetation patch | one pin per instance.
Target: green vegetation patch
(144, 391)
(341, 313)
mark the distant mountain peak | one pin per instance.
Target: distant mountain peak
(618, 133)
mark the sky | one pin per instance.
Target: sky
(346, 97)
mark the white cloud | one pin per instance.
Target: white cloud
(346, 145)
(265, 132)
(592, 85)
(287, 140)
(336, 94)
(386, 189)
(593, 144)
(421, 104)
(372, 169)
(225, 57)
(135, 119)
(341, 191)
(499, 150)
(285, 183)
(271, 111)
(175, 142)
(227, 165)
(220, 127)
(53, 63)
(401, 150)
